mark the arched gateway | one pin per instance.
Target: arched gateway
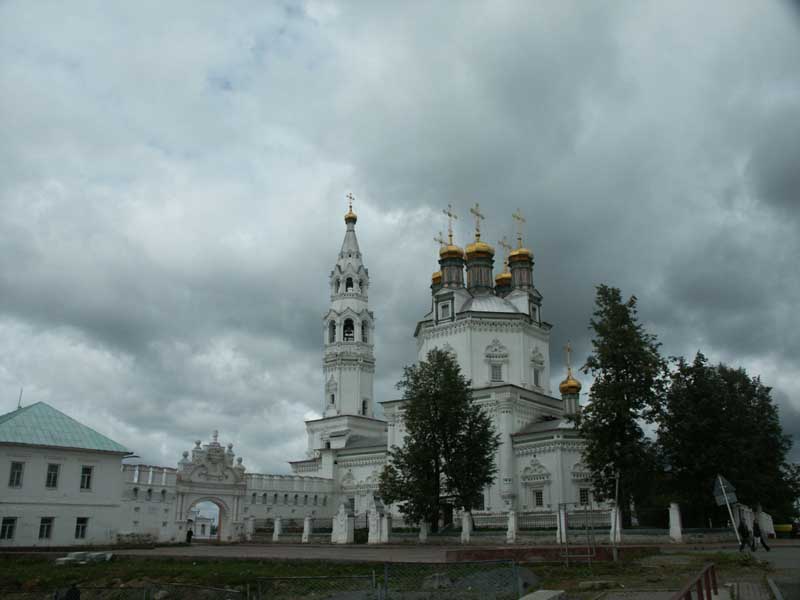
(210, 475)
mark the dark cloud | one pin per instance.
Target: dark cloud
(172, 183)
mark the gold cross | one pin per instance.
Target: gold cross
(517, 216)
(507, 247)
(476, 210)
(439, 239)
(350, 199)
(450, 217)
(568, 350)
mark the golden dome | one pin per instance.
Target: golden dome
(350, 216)
(451, 251)
(570, 385)
(503, 278)
(436, 277)
(520, 254)
(479, 247)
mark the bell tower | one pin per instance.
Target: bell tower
(348, 362)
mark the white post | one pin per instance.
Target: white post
(386, 527)
(616, 525)
(374, 524)
(511, 531)
(675, 525)
(423, 533)
(249, 528)
(307, 522)
(350, 533)
(561, 525)
(466, 526)
(276, 532)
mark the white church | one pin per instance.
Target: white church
(66, 484)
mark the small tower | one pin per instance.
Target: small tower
(502, 282)
(348, 363)
(570, 388)
(451, 257)
(480, 260)
(521, 260)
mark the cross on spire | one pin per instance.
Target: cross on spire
(350, 199)
(476, 211)
(439, 238)
(568, 351)
(507, 247)
(450, 217)
(517, 216)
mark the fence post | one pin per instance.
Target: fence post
(306, 530)
(386, 527)
(511, 531)
(561, 525)
(466, 526)
(276, 532)
(675, 525)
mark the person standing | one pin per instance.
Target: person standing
(189, 534)
(757, 533)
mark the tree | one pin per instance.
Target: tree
(449, 450)
(629, 382)
(717, 419)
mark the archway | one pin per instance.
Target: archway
(204, 519)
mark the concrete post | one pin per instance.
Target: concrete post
(675, 525)
(423, 533)
(511, 531)
(561, 525)
(466, 527)
(276, 532)
(307, 526)
(386, 528)
(615, 535)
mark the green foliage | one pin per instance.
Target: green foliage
(450, 446)
(717, 419)
(629, 383)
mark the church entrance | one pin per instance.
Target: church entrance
(204, 520)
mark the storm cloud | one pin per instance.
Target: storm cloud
(172, 182)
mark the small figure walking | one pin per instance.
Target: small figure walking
(757, 534)
(744, 533)
(189, 534)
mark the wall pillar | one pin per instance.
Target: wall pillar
(307, 526)
(675, 524)
(511, 531)
(276, 532)
(466, 526)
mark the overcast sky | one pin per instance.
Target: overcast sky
(172, 183)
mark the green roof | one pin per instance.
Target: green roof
(42, 425)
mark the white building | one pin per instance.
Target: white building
(492, 325)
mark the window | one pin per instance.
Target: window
(336, 286)
(497, 372)
(331, 332)
(7, 527)
(286, 498)
(263, 498)
(202, 529)
(584, 495)
(149, 495)
(52, 476)
(163, 495)
(348, 284)
(364, 406)
(86, 478)
(536, 376)
(135, 493)
(444, 311)
(538, 498)
(295, 499)
(328, 445)
(275, 499)
(45, 528)
(315, 499)
(349, 334)
(364, 331)
(324, 501)
(81, 525)
(15, 477)
(305, 500)
(333, 398)
(253, 499)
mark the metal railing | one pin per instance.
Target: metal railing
(703, 584)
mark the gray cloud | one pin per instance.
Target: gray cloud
(171, 184)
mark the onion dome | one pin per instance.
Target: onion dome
(350, 216)
(570, 385)
(451, 251)
(520, 254)
(479, 248)
(503, 279)
(436, 278)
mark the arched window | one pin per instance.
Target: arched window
(263, 498)
(305, 500)
(333, 398)
(275, 499)
(149, 495)
(363, 407)
(315, 499)
(135, 493)
(286, 498)
(253, 499)
(331, 332)
(337, 284)
(163, 495)
(364, 331)
(295, 499)
(348, 331)
(348, 284)
(361, 285)
(324, 501)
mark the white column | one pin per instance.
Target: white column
(386, 528)
(150, 476)
(276, 533)
(164, 476)
(136, 474)
(307, 525)
(675, 525)
(466, 527)
(561, 525)
(511, 531)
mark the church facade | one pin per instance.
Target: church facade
(493, 326)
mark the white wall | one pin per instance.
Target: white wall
(66, 502)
